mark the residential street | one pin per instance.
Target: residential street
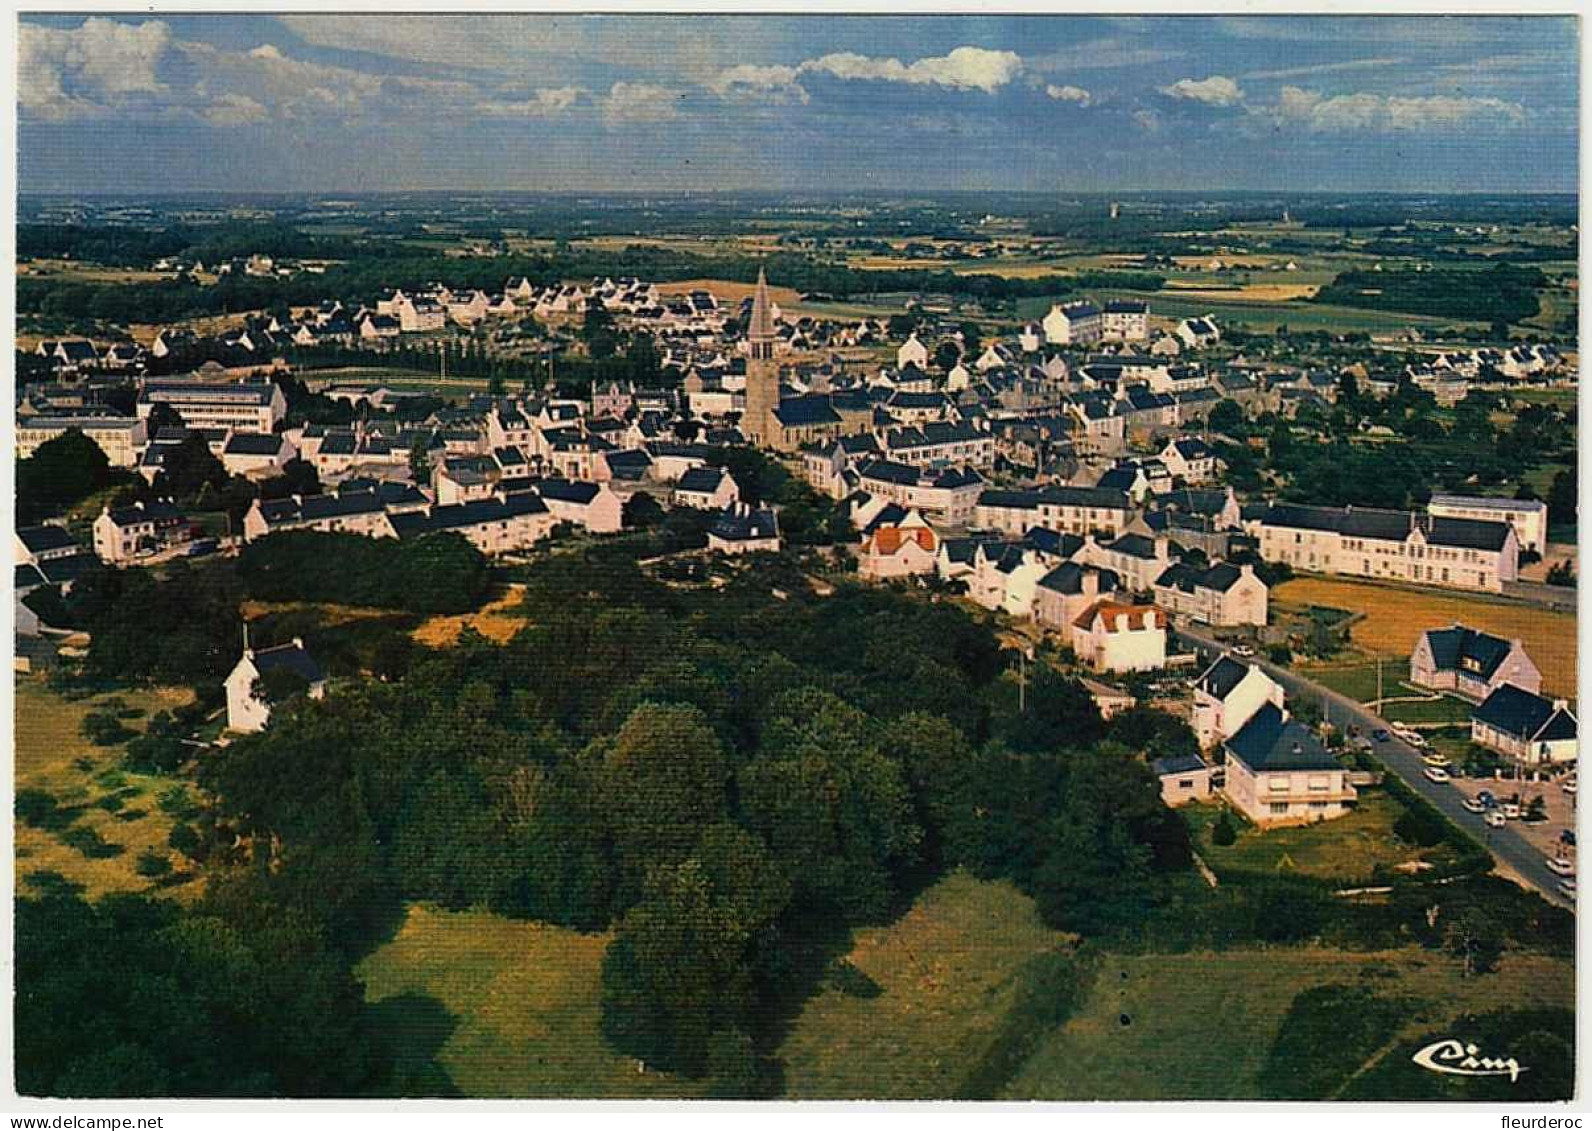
(1512, 850)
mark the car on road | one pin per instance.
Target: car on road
(1494, 819)
(1437, 774)
(1474, 805)
(1511, 810)
(1569, 787)
(1567, 888)
(1560, 865)
(1380, 735)
(1433, 758)
(1567, 836)
(1243, 650)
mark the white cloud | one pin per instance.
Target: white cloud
(89, 70)
(748, 81)
(542, 104)
(1326, 68)
(1340, 113)
(1218, 90)
(235, 110)
(1068, 94)
(266, 51)
(640, 102)
(965, 68)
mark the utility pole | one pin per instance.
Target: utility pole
(1379, 685)
(1022, 681)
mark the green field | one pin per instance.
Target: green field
(408, 380)
(121, 808)
(948, 971)
(1345, 849)
(511, 1008)
(1201, 1025)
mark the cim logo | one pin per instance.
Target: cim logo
(1456, 1058)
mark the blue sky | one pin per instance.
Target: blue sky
(367, 102)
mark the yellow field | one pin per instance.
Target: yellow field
(1396, 616)
(47, 747)
(1253, 292)
(523, 1002)
(726, 291)
(1201, 1025)
(490, 620)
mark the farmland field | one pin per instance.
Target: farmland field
(1396, 616)
(1259, 315)
(1201, 1025)
(492, 620)
(121, 808)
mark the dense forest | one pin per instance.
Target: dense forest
(1501, 293)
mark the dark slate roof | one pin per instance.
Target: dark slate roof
(1133, 545)
(61, 571)
(1193, 502)
(567, 490)
(704, 480)
(1516, 711)
(25, 577)
(814, 409)
(1450, 646)
(1178, 764)
(1268, 742)
(891, 514)
(1126, 306)
(42, 539)
(962, 551)
(996, 497)
(743, 525)
(1192, 449)
(1220, 577)
(1052, 542)
(1396, 526)
(1098, 497)
(1118, 479)
(253, 444)
(473, 513)
(1068, 577)
(291, 657)
(1221, 677)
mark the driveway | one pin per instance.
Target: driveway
(1514, 852)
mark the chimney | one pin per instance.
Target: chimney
(1089, 584)
(1561, 704)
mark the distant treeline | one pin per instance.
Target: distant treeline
(118, 246)
(365, 277)
(1504, 293)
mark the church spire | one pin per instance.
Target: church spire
(761, 326)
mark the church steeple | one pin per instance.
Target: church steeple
(760, 329)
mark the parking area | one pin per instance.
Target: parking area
(1542, 835)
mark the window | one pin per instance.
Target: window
(1318, 805)
(1278, 808)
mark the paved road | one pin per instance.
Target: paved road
(1557, 597)
(1508, 847)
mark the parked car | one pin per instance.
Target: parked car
(1380, 735)
(1559, 865)
(1567, 888)
(1567, 836)
(1437, 773)
(1244, 650)
(1511, 810)
(1494, 819)
(1474, 805)
(1433, 758)
(1569, 787)
(201, 547)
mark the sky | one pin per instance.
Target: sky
(326, 103)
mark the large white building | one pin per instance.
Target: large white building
(245, 406)
(1456, 553)
(119, 437)
(1528, 517)
(1073, 323)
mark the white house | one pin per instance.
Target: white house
(1525, 727)
(705, 488)
(1528, 517)
(1278, 772)
(914, 353)
(1226, 695)
(1126, 320)
(246, 712)
(1073, 323)
(1471, 663)
(1113, 637)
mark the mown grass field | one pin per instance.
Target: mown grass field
(121, 808)
(948, 972)
(1257, 314)
(1345, 849)
(493, 620)
(1200, 1025)
(1396, 616)
(519, 1007)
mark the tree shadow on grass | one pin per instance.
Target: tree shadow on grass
(412, 1030)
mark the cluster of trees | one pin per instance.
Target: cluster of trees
(61, 473)
(806, 518)
(436, 573)
(1502, 293)
(725, 787)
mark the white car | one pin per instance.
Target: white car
(1494, 819)
(1243, 650)
(1559, 865)
(1473, 805)
(1436, 773)
(1567, 888)
(1511, 810)
(1569, 787)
